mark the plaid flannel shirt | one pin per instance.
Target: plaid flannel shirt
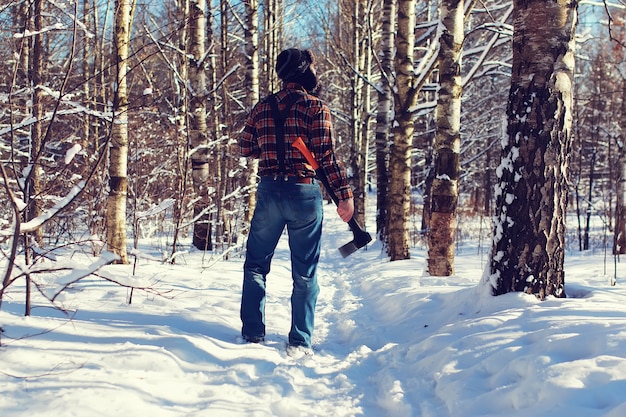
(309, 118)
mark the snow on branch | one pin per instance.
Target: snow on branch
(28, 33)
(35, 223)
(156, 209)
(50, 115)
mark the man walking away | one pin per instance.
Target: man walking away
(289, 195)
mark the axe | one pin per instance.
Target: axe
(361, 237)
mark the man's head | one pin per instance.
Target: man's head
(295, 65)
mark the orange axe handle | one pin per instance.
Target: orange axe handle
(299, 145)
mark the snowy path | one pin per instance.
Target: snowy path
(180, 354)
(389, 342)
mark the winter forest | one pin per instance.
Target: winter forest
(463, 125)
(119, 121)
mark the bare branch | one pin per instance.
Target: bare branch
(614, 39)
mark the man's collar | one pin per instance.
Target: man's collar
(294, 86)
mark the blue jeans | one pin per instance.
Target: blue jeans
(283, 203)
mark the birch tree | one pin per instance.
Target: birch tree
(412, 101)
(33, 180)
(400, 152)
(251, 34)
(354, 50)
(619, 244)
(445, 189)
(229, 21)
(198, 124)
(272, 35)
(413, 71)
(384, 116)
(531, 197)
(179, 66)
(35, 77)
(118, 152)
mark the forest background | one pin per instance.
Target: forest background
(119, 119)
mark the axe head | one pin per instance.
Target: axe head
(361, 238)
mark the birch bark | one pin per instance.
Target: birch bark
(400, 153)
(198, 125)
(384, 117)
(118, 151)
(531, 197)
(444, 193)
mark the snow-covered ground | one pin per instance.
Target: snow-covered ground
(389, 341)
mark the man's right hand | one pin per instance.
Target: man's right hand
(345, 209)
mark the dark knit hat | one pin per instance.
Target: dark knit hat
(292, 63)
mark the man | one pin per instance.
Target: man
(288, 195)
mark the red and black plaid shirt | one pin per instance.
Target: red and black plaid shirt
(308, 118)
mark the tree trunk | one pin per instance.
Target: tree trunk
(223, 162)
(444, 190)
(272, 43)
(102, 71)
(251, 35)
(216, 129)
(400, 189)
(33, 178)
(97, 201)
(35, 73)
(180, 97)
(118, 157)
(383, 118)
(358, 116)
(87, 74)
(531, 197)
(590, 187)
(198, 126)
(366, 123)
(619, 246)
(400, 155)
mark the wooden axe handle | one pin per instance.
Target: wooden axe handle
(361, 237)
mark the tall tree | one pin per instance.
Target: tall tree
(444, 192)
(118, 156)
(229, 22)
(400, 153)
(217, 130)
(180, 97)
(35, 77)
(619, 244)
(251, 34)
(355, 51)
(33, 183)
(383, 116)
(272, 42)
(531, 197)
(198, 124)
(87, 73)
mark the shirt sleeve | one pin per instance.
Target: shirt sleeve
(248, 143)
(322, 145)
